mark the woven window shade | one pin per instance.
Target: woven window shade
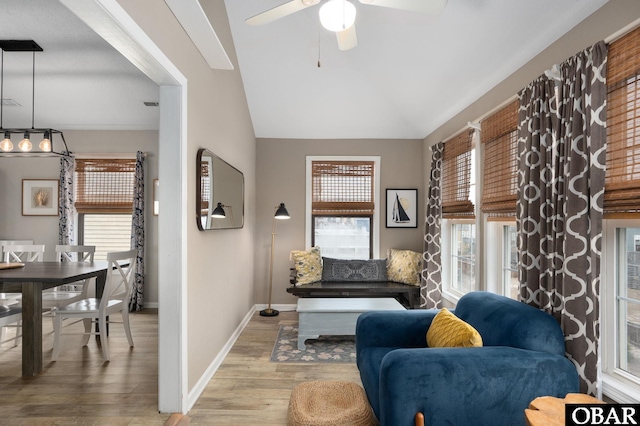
(342, 188)
(622, 183)
(105, 185)
(456, 174)
(500, 181)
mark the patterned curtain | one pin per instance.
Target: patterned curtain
(431, 291)
(561, 162)
(65, 205)
(137, 235)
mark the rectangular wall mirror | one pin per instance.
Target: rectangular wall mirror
(219, 193)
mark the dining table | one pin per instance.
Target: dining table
(30, 280)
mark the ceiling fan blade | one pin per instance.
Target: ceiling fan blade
(281, 11)
(426, 6)
(347, 39)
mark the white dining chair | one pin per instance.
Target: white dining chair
(115, 298)
(23, 253)
(20, 253)
(10, 316)
(57, 297)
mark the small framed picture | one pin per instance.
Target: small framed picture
(402, 208)
(39, 197)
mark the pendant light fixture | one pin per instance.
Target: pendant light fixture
(25, 146)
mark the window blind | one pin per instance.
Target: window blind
(622, 182)
(456, 176)
(105, 185)
(342, 188)
(500, 178)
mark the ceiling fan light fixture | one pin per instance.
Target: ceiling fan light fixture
(337, 15)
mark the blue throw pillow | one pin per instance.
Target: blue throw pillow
(354, 270)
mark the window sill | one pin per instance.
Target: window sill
(620, 390)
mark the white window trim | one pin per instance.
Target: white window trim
(376, 210)
(448, 293)
(494, 255)
(614, 383)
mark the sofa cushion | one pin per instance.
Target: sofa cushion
(449, 331)
(308, 265)
(353, 270)
(404, 266)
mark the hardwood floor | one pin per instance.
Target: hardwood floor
(79, 389)
(249, 389)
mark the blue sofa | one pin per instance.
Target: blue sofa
(522, 358)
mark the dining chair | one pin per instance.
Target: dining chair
(115, 298)
(8, 316)
(20, 253)
(57, 297)
(23, 253)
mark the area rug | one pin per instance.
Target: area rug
(323, 349)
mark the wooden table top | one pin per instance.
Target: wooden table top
(549, 411)
(55, 273)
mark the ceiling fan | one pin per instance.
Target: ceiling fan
(339, 15)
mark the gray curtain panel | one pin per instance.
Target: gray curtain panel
(65, 204)
(137, 235)
(431, 291)
(561, 170)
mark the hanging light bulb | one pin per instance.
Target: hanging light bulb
(25, 144)
(337, 15)
(45, 143)
(5, 144)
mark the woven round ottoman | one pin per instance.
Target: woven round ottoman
(329, 402)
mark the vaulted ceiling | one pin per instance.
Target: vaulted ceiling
(409, 73)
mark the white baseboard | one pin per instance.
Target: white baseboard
(150, 305)
(200, 386)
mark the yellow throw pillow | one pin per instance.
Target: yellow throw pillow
(404, 266)
(308, 265)
(449, 331)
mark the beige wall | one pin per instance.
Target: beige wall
(44, 229)
(219, 263)
(280, 174)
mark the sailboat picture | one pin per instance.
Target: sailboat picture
(402, 208)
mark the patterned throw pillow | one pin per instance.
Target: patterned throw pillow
(404, 266)
(449, 331)
(370, 270)
(308, 265)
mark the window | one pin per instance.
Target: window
(510, 282)
(620, 264)
(459, 240)
(342, 206)
(104, 202)
(463, 257)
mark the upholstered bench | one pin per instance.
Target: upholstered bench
(329, 403)
(397, 276)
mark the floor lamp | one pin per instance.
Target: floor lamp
(281, 213)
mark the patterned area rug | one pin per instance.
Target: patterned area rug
(323, 349)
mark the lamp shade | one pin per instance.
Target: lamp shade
(282, 212)
(337, 15)
(219, 212)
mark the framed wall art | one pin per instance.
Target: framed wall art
(39, 197)
(402, 208)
